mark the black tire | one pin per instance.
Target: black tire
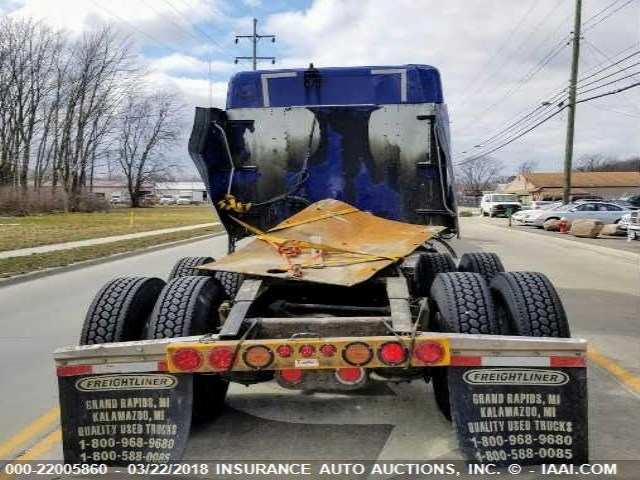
(528, 305)
(189, 306)
(463, 304)
(231, 282)
(120, 310)
(427, 267)
(485, 263)
(185, 267)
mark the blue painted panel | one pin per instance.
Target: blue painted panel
(338, 86)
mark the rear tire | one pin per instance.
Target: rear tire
(120, 310)
(463, 304)
(485, 263)
(189, 306)
(185, 267)
(527, 304)
(231, 282)
(427, 267)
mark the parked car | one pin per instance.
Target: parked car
(624, 222)
(605, 212)
(633, 225)
(625, 204)
(167, 200)
(540, 204)
(184, 200)
(493, 204)
(115, 198)
(632, 199)
(148, 201)
(525, 216)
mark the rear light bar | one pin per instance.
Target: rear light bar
(300, 354)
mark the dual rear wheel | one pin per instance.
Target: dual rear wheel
(135, 308)
(479, 297)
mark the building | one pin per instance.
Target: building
(117, 191)
(549, 186)
(196, 191)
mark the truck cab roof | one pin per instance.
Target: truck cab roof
(366, 85)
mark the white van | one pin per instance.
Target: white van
(493, 204)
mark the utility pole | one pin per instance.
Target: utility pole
(255, 37)
(571, 118)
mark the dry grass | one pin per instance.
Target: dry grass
(24, 232)
(40, 261)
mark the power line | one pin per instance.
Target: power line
(179, 28)
(609, 75)
(607, 16)
(483, 70)
(193, 25)
(612, 92)
(546, 119)
(523, 80)
(533, 71)
(619, 112)
(611, 82)
(254, 38)
(139, 30)
(609, 66)
(604, 55)
(519, 121)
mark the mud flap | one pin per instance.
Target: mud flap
(118, 419)
(526, 416)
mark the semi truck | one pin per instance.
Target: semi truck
(335, 187)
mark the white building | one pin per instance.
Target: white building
(195, 191)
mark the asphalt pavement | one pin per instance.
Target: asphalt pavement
(600, 293)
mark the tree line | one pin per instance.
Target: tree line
(485, 173)
(69, 106)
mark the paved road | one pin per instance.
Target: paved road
(386, 421)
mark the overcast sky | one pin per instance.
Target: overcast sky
(499, 59)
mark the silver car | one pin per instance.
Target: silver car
(603, 211)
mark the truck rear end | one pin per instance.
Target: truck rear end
(342, 178)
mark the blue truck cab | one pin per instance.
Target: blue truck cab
(375, 137)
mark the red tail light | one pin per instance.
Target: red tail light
(328, 350)
(221, 358)
(392, 353)
(292, 375)
(187, 359)
(350, 376)
(307, 350)
(429, 352)
(284, 351)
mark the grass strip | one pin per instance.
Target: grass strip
(36, 230)
(40, 261)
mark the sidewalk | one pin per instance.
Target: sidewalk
(98, 241)
(613, 245)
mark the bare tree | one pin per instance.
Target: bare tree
(147, 126)
(592, 162)
(527, 166)
(479, 174)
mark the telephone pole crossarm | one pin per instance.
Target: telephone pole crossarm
(255, 37)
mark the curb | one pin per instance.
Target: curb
(561, 240)
(27, 277)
